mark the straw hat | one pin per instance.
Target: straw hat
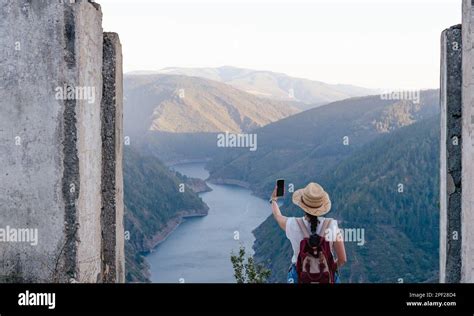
(313, 199)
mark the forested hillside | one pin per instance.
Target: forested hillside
(389, 188)
(181, 104)
(316, 140)
(153, 206)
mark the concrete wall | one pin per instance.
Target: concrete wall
(467, 212)
(457, 160)
(33, 58)
(89, 38)
(51, 147)
(112, 152)
(451, 167)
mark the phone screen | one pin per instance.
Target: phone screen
(280, 187)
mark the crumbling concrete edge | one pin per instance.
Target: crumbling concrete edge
(71, 180)
(113, 253)
(451, 155)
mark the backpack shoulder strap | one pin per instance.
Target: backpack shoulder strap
(303, 227)
(326, 223)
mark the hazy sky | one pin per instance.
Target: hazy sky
(371, 43)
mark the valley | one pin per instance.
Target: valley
(362, 150)
(154, 207)
(199, 249)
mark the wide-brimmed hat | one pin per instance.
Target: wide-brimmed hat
(313, 199)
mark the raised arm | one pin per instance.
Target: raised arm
(281, 220)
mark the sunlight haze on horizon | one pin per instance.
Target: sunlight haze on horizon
(382, 44)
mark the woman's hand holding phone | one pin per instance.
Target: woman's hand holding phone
(278, 191)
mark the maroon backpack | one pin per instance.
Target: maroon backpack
(315, 265)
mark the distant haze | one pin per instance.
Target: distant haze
(272, 85)
(367, 43)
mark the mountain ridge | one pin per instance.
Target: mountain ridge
(316, 139)
(273, 85)
(181, 104)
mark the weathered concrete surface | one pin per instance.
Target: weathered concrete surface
(467, 213)
(89, 39)
(30, 179)
(113, 265)
(51, 146)
(450, 176)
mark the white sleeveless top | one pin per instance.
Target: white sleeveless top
(295, 235)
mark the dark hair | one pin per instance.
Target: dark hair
(314, 238)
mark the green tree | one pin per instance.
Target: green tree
(246, 270)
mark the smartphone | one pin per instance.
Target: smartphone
(280, 187)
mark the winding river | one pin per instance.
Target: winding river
(199, 250)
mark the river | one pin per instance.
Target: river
(199, 249)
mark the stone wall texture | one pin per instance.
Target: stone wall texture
(112, 153)
(451, 155)
(457, 151)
